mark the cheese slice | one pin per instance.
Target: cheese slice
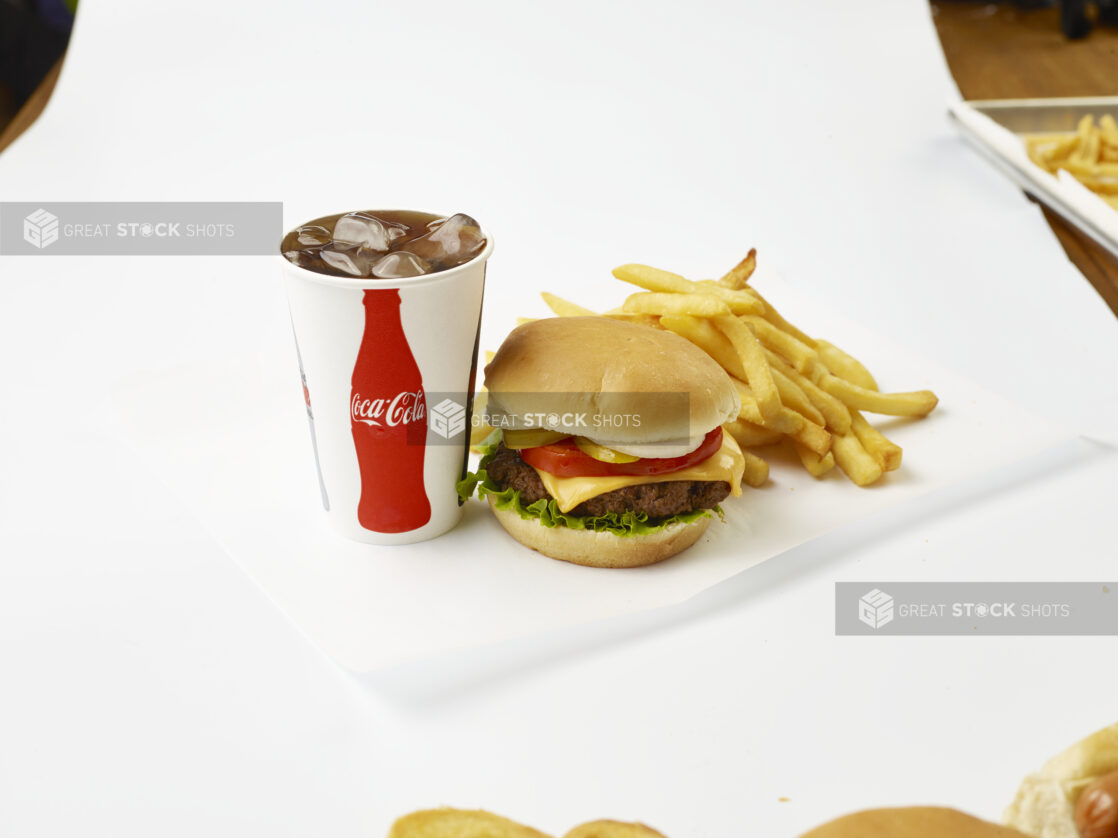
(727, 463)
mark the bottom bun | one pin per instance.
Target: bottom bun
(913, 822)
(600, 549)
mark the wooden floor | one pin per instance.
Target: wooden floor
(997, 51)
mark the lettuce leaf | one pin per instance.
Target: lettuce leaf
(547, 512)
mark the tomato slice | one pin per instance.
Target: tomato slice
(566, 459)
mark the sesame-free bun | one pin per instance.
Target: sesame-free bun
(465, 823)
(1045, 804)
(613, 829)
(911, 822)
(601, 367)
(459, 823)
(600, 549)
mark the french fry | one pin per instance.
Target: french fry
(796, 352)
(739, 301)
(749, 412)
(786, 421)
(834, 411)
(565, 308)
(813, 437)
(739, 275)
(1078, 167)
(1045, 150)
(816, 465)
(794, 397)
(1100, 185)
(696, 305)
(877, 445)
(479, 430)
(916, 403)
(854, 460)
(794, 388)
(653, 279)
(844, 366)
(774, 317)
(1090, 154)
(520, 321)
(1087, 149)
(749, 435)
(665, 282)
(757, 373)
(756, 470)
(703, 334)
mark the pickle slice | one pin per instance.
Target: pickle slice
(532, 437)
(601, 453)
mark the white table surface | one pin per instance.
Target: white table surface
(147, 687)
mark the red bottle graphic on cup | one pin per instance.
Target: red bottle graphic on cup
(388, 415)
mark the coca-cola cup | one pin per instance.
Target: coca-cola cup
(386, 309)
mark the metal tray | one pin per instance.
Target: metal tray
(1039, 116)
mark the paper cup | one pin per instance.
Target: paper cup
(388, 369)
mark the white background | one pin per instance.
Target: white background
(146, 687)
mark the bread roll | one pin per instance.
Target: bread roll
(1045, 804)
(459, 823)
(613, 829)
(911, 822)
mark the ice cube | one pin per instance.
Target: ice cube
(305, 258)
(312, 234)
(350, 259)
(364, 229)
(454, 242)
(400, 264)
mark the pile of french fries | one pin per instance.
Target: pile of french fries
(1090, 154)
(795, 390)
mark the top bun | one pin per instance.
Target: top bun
(1045, 803)
(613, 829)
(602, 369)
(459, 823)
(915, 822)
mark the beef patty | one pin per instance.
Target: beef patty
(657, 500)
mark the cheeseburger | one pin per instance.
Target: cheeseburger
(608, 449)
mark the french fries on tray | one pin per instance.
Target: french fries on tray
(1090, 154)
(797, 390)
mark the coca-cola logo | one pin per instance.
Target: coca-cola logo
(402, 409)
